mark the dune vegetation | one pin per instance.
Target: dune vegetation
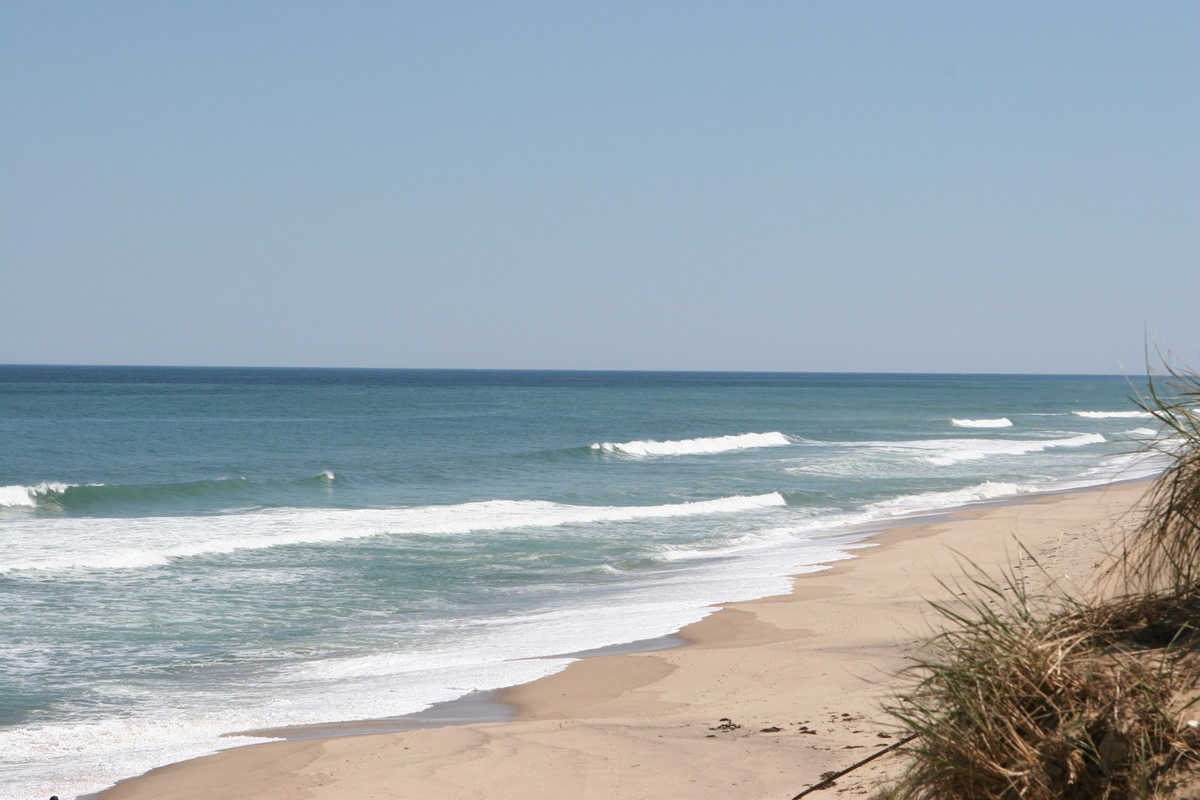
(1057, 695)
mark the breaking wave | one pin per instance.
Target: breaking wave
(935, 501)
(155, 541)
(953, 451)
(1002, 422)
(943, 452)
(687, 447)
(29, 496)
(1113, 414)
(158, 497)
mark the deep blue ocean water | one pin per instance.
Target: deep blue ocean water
(186, 553)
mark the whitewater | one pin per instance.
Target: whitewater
(187, 554)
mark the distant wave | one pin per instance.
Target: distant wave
(1002, 422)
(85, 497)
(1113, 414)
(29, 495)
(131, 543)
(715, 444)
(103, 497)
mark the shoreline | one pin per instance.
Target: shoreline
(801, 676)
(478, 706)
(487, 705)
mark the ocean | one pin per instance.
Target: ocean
(192, 552)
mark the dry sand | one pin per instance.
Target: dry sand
(766, 696)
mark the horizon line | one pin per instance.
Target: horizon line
(553, 369)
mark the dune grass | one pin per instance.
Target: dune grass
(1058, 696)
(1164, 554)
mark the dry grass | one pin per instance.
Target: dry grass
(1164, 555)
(1040, 697)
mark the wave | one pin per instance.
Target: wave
(702, 446)
(871, 514)
(1138, 465)
(105, 498)
(30, 496)
(1113, 414)
(1002, 422)
(932, 501)
(134, 543)
(943, 452)
(793, 537)
(872, 460)
(954, 451)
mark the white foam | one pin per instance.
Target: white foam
(1141, 432)
(1113, 414)
(625, 613)
(327, 475)
(864, 458)
(934, 501)
(953, 451)
(1128, 466)
(481, 654)
(28, 495)
(715, 444)
(910, 505)
(1122, 467)
(81, 758)
(1125, 466)
(751, 542)
(1002, 422)
(136, 543)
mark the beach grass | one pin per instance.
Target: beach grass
(1063, 695)
(1164, 554)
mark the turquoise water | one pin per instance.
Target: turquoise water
(186, 553)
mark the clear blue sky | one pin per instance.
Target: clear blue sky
(920, 186)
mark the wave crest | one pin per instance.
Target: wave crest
(1113, 414)
(1141, 433)
(954, 451)
(96, 544)
(29, 496)
(931, 501)
(1002, 422)
(702, 446)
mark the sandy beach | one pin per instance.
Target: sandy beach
(765, 696)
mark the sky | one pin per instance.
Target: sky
(799, 186)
